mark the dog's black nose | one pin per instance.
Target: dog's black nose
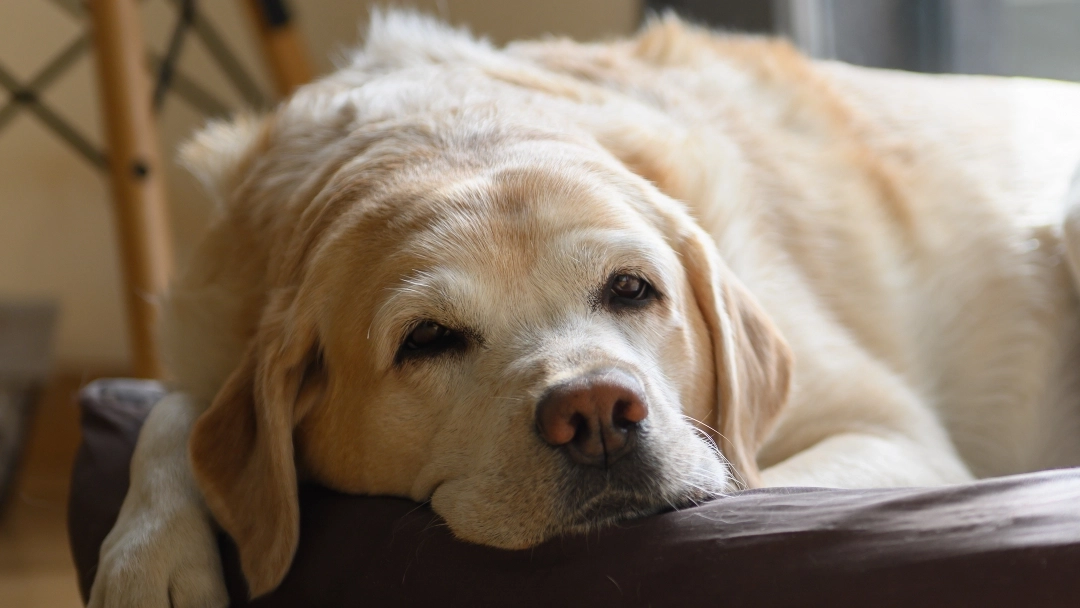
(594, 417)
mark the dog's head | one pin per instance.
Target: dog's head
(478, 310)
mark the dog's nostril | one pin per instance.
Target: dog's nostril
(618, 414)
(580, 426)
(627, 413)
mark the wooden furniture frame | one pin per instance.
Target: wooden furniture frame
(133, 159)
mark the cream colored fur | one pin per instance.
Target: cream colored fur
(867, 279)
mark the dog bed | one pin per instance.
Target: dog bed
(1011, 541)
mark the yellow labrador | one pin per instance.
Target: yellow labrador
(540, 286)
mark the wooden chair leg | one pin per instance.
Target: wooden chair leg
(135, 171)
(282, 46)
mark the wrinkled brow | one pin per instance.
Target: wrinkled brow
(582, 259)
(422, 294)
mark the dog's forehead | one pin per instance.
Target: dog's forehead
(519, 242)
(524, 220)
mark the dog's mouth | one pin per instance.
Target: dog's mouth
(617, 506)
(601, 498)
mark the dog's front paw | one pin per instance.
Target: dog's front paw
(153, 560)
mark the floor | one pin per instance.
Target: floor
(35, 565)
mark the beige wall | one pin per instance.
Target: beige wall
(56, 230)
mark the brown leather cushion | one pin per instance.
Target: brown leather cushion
(1005, 542)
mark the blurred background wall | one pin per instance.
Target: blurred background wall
(1038, 38)
(57, 239)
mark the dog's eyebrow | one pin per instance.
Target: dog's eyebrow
(417, 296)
(419, 293)
(606, 251)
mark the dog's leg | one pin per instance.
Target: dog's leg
(162, 551)
(857, 424)
(1072, 229)
(863, 460)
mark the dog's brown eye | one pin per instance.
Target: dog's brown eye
(425, 335)
(629, 287)
(428, 338)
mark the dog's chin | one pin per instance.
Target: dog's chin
(607, 508)
(584, 500)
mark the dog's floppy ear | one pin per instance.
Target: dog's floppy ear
(241, 448)
(753, 362)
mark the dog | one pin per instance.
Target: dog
(558, 285)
